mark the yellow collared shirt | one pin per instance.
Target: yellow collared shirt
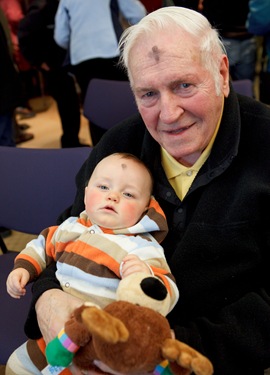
(181, 177)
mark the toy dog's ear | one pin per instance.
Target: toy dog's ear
(144, 290)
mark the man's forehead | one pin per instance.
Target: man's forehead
(155, 52)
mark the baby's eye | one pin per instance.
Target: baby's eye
(103, 187)
(128, 195)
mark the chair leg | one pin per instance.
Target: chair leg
(3, 245)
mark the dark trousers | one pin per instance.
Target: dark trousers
(102, 69)
(61, 86)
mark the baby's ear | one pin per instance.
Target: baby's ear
(85, 190)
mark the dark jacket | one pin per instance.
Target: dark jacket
(228, 16)
(218, 246)
(35, 34)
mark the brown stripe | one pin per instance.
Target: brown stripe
(87, 265)
(36, 356)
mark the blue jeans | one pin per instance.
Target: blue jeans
(6, 130)
(242, 56)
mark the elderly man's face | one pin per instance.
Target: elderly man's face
(175, 94)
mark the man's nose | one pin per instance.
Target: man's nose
(170, 108)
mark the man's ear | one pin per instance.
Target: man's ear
(225, 76)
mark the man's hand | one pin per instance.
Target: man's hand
(53, 309)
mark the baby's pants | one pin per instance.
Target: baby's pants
(20, 363)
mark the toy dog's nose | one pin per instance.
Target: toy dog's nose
(154, 288)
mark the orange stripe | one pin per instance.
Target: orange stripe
(160, 273)
(41, 344)
(50, 248)
(156, 206)
(95, 255)
(30, 260)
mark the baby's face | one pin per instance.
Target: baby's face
(118, 192)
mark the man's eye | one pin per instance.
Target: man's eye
(185, 85)
(185, 89)
(149, 94)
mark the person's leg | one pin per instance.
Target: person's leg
(102, 69)
(22, 363)
(242, 56)
(19, 363)
(245, 68)
(6, 130)
(98, 68)
(62, 88)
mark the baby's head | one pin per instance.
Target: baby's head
(118, 192)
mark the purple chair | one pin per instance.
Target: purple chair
(243, 87)
(108, 102)
(36, 186)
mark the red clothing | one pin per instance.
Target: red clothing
(14, 12)
(152, 5)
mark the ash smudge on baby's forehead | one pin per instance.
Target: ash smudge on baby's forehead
(155, 53)
(123, 166)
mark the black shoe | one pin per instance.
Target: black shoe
(24, 113)
(23, 137)
(23, 126)
(5, 232)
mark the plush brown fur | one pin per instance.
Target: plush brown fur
(130, 339)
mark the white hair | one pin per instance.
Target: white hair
(187, 20)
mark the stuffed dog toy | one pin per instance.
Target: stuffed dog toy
(129, 336)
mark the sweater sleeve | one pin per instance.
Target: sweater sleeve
(34, 258)
(132, 10)
(62, 28)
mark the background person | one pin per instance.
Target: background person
(258, 23)
(90, 31)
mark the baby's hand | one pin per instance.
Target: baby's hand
(131, 264)
(16, 281)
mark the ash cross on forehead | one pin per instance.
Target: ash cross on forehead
(155, 53)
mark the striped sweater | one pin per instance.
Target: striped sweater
(88, 257)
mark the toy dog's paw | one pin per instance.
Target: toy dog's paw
(186, 357)
(104, 325)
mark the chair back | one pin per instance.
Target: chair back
(36, 186)
(13, 312)
(243, 87)
(108, 102)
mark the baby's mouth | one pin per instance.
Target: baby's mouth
(109, 208)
